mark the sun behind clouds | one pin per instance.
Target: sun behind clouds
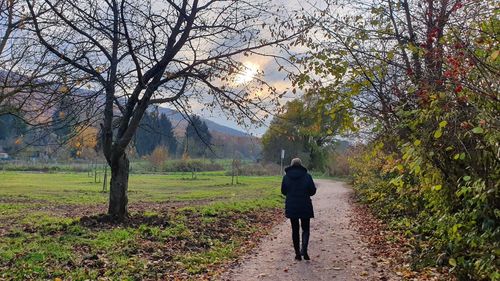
(247, 73)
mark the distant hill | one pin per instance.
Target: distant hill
(180, 124)
(226, 141)
(178, 121)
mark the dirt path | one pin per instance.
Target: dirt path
(336, 250)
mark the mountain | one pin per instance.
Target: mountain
(89, 97)
(180, 124)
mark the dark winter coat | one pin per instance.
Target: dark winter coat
(298, 187)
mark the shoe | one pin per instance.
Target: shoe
(298, 257)
(306, 257)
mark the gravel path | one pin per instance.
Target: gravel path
(336, 250)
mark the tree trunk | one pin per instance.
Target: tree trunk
(118, 198)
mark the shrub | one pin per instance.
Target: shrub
(338, 164)
(257, 169)
(192, 165)
(158, 157)
(458, 229)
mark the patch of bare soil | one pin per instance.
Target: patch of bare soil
(86, 211)
(161, 252)
(104, 221)
(18, 200)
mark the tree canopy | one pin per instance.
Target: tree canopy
(419, 79)
(197, 139)
(302, 130)
(155, 131)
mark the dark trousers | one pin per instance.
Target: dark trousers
(305, 223)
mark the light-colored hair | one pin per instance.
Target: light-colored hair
(296, 162)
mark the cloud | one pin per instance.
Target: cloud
(272, 72)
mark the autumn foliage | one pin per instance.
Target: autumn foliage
(158, 157)
(84, 141)
(420, 82)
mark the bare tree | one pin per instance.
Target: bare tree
(140, 53)
(21, 74)
(9, 22)
(33, 84)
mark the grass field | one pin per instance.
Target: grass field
(178, 227)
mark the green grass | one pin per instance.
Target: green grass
(197, 263)
(42, 237)
(80, 189)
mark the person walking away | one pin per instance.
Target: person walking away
(298, 187)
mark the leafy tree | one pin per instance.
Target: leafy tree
(11, 127)
(283, 133)
(167, 134)
(155, 131)
(85, 140)
(12, 130)
(197, 139)
(302, 130)
(64, 120)
(418, 78)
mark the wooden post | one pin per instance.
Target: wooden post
(237, 172)
(232, 171)
(95, 172)
(104, 182)
(232, 167)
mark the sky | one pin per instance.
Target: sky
(270, 74)
(263, 66)
(267, 68)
